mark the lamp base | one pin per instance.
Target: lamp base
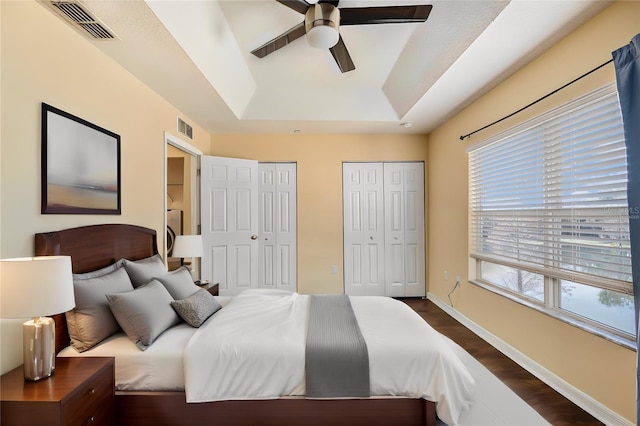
(38, 347)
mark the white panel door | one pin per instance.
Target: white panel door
(384, 239)
(363, 229)
(229, 197)
(278, 226)
(414, 232)
(394, 213)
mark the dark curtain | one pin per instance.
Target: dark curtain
(627, 63)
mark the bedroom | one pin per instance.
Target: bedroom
(56, 65)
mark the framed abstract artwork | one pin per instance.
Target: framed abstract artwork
(80, 166)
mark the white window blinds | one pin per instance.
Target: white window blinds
(550, 195)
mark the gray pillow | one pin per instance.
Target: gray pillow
(196, 308)
(100, 272)
(179, 283)
(91, 321)
(143, 270)
(144, 313)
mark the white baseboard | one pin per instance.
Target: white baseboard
(575, 395)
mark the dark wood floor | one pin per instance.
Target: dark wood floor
(555, 408)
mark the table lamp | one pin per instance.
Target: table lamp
(36, 287)
(187, 246)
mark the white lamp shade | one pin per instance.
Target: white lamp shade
(323, 37)
(188, 246)
(321, 22)
(35, 286)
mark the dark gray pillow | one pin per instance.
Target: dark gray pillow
(91, 321)
(196, 308)
(143, 270)
(144, 313)
(179, 283)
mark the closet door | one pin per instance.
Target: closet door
(278, 226)
(229, 209)
(404, 229)
(363, 225)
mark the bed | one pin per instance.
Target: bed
(165, 403)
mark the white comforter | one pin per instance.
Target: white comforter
(254, 349)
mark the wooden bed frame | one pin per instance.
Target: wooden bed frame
(96, 246)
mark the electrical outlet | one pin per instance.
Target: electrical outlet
(445, 275)
(457, 278)
(334, 269)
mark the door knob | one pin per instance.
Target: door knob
(254, 237)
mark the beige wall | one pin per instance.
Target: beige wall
(319, 159)
(603, 370)
(57, 65)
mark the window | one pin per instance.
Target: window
(549, 223)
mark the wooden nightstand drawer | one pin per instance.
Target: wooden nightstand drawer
(80, 392)
(213, 288)
(210, 287)
(92, 403)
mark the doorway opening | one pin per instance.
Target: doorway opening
(182, 200)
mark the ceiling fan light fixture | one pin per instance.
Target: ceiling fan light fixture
(321, 25)
(322, 37)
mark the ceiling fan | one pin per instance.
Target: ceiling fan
(323, 19)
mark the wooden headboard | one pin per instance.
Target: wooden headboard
(94, 247)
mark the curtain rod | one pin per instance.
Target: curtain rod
(537, 100)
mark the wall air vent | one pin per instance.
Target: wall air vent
(80, 17)
(185, 129)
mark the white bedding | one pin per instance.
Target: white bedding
(254, 349)
(159, 368)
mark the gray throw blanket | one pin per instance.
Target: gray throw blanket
(337, 362)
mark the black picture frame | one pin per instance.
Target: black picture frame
(80, 166)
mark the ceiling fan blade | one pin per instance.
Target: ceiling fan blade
(299, 6)
(280, 41)
(384, 14)
(342, 57)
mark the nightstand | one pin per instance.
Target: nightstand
(211, 288)
(80, 392)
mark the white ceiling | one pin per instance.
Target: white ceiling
(196, 54)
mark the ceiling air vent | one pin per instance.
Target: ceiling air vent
(80, 17)
(185, 129)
